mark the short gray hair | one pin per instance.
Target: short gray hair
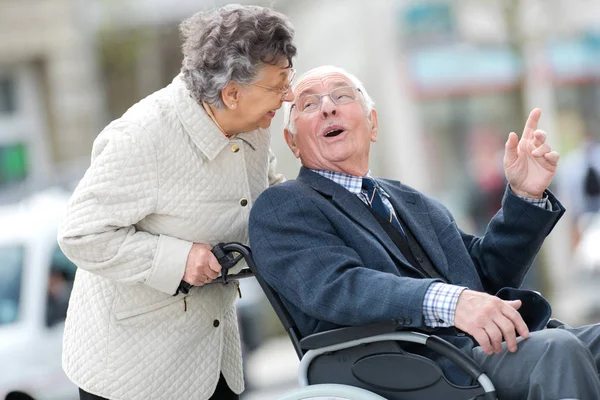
(232, 43)
(288, 123)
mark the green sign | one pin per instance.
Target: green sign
(14, 164)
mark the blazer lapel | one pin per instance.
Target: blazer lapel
(412, 211)
(350, 205)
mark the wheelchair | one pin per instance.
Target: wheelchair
(365, 362)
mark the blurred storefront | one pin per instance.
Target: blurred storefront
(468, 86)
(67, 68)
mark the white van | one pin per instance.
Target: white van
(35, 284)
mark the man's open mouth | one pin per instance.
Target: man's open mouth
(333, 133)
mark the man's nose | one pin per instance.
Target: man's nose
(328, 107)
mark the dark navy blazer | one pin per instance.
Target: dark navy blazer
(323, 251)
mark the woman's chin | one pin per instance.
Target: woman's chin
(265, 123)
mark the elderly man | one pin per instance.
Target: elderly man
(344, 248)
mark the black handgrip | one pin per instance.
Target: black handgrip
(224, 254)
(226, 259)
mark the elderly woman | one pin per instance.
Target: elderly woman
(176, 174)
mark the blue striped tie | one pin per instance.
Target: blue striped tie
(376, 202)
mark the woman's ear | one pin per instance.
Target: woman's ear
(231, 95)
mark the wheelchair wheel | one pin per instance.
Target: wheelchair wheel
(330, 392)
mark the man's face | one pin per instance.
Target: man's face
(335, 137)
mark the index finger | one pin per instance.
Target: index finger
(515, 317)
(532, 123)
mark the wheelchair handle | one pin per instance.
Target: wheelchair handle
(224, 254)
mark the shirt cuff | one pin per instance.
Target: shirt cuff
(439, 304)
(542, 203)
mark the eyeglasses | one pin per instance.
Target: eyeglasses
(284, 90)
(312, 102)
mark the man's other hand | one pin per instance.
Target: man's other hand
(490, 320)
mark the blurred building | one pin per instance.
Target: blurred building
(480, 66)
(50, 93)
(68, 67)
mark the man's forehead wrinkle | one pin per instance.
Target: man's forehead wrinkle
(306, 86)
(338, 79)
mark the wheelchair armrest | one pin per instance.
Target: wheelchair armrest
(435, 343)
(347, 334)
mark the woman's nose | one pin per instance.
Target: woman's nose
(289, 96)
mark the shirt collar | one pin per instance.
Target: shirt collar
(352, 183)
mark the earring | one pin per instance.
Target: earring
(232, 106)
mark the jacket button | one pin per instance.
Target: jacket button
(216, 323)
(243, 202)
(235, 148)
(407, 321)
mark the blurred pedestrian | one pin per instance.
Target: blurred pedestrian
(487, 184)
(176, 174)
(579, 185)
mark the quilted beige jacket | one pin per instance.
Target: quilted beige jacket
(161, 177)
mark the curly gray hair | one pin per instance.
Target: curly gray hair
(232, 43)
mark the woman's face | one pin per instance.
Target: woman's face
(259, 101)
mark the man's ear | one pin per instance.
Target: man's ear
(231, 95)
(374, 125)
(290, 139)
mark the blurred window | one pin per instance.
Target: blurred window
(60, 283)
(7, 96)
(11, 270)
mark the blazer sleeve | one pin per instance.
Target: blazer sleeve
(302, 257)
(118, 190)
(511, 241)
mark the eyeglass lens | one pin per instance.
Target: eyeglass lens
(341, 95)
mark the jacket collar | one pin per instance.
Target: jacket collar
(408, 204)
(349, 204)
(202, 130)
